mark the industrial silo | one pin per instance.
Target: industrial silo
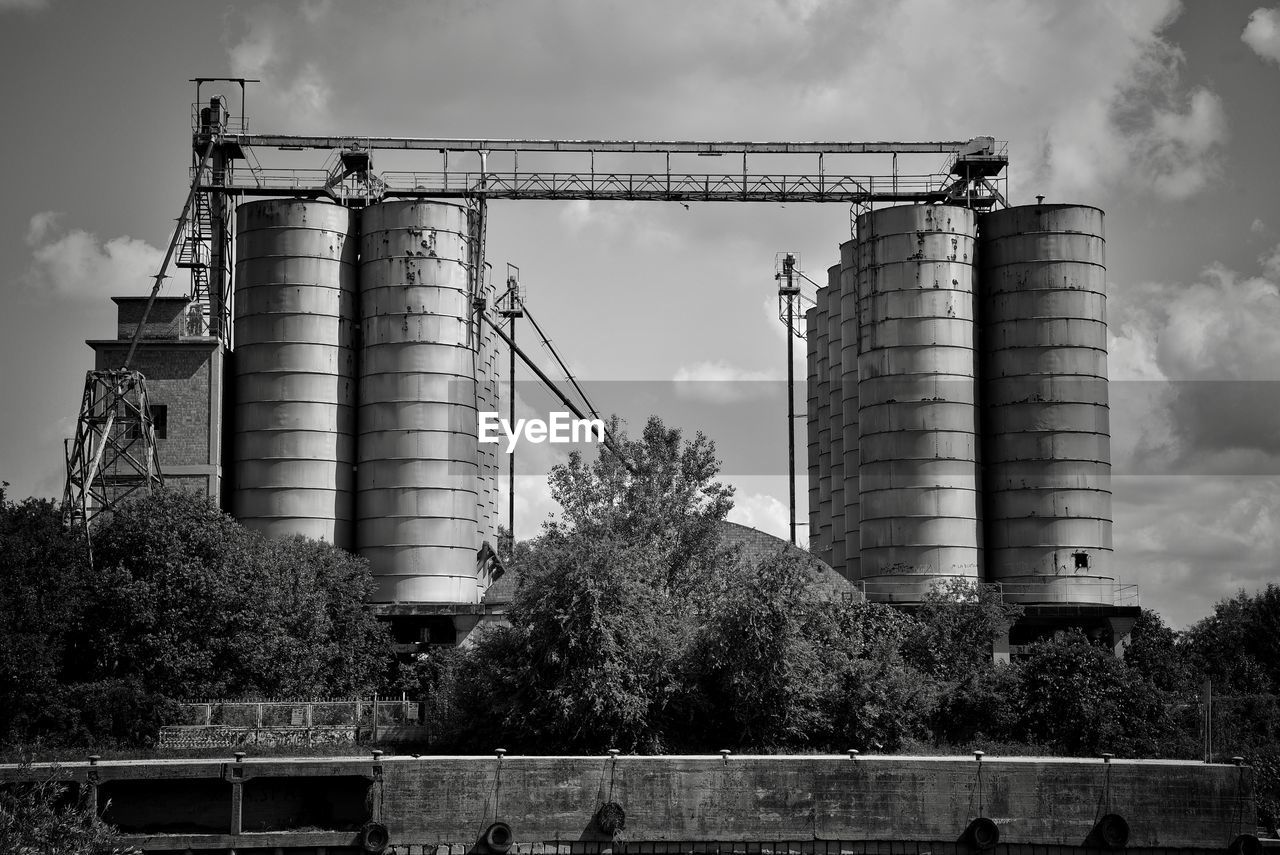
(418, 477)
(824, 427)
(849, 408)
(917, 430)
(811, 420)
(1045, 407)
(835, 417)
(293, 446)
(488, 401)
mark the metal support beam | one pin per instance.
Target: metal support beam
(442, 144)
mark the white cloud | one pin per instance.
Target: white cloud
(297, 99)
(719, 382)
(640, 225)
(534, 504)
(1196, 435)
(763, 512)
(1080, 120)
(1270, 262)
(23, 5)
(41, 225)
(1190, 541)
(75, 263)
(1262, 33)
(1257, 226)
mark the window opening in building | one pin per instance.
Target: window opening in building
(1082, 560)
(160, 421)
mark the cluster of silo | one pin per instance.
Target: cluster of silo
(974, 432)
(359, 373)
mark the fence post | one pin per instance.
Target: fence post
(308, 714)
(374, 737)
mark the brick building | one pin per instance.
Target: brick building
(184, 374)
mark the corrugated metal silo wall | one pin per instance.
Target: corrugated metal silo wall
(1047, 442)
(811, 420)
(849, 408)
(418, 478)
(486, 401)
(495, 399)
(824, 428)
(920, 513)
(294, 416)
(835, 378)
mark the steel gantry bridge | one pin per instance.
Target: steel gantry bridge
(227, 164)
(971, 177)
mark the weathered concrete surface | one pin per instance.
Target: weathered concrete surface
(550, 802)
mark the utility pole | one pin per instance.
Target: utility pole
(511, 306)
(788, 289)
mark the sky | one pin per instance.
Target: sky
(1163, 114)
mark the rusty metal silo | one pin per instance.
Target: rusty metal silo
(418, 477)
(835, 409)
(481, 369)
(488, 359)
(920, 513)
(811, 420)
(849, 408)
(824, 426)
(1047, 443)
(293, 446)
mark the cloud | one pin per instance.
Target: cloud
(1079, 120)
(1192, 541)
(74, 263)
(1262, 33)
(1200, 368)
(299, 92)
(534, 504)
(1196, 435)
(23, 5)
(764, 512)
(639, 225)
(719, 382)
(1257, 226)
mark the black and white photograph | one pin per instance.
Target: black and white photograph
(640, 427)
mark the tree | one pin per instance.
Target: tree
(603, 607)
(1238, 646)
(757, 660)
(1080, 700)
(42, 576)
(587, 663)
(957, 621)
(874, 699)
(956, 625)
(670, 505)
(1158, 655)
(189, 603)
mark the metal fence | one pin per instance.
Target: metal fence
(291, 721)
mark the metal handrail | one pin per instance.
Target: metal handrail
(1055, 590)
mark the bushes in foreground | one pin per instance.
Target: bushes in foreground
(178, 601)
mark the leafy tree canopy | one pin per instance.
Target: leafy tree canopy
(669, 506)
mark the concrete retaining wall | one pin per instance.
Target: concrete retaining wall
(550, 802)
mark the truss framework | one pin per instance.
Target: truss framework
(113, 454)
(935, 188)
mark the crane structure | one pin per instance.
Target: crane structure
(227, 165)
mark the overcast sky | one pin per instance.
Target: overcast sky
(1166, 115)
